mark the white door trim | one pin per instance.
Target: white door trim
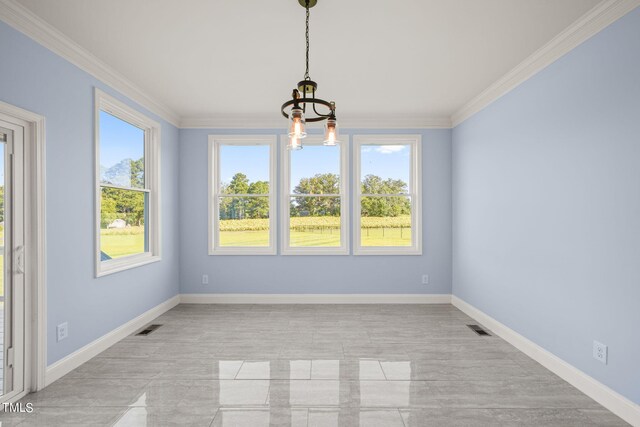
(35, 289)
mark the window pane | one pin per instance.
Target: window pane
(121, 152)
(315, 221)
(315, 170)
(122, 223)
(244, 221)
(385, 169)
(386, 221)
(244, 169)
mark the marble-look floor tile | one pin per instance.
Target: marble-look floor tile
(315, 350)
(509, 394)
(202, 369)
(89, 392)
(120, 368)
(174, 416)
(267, 417)
(275, 369)
(496, 418)
(305, 393)
(347, 417)
(62, 416)
(346, 369)
(327, 365)
(453, 370)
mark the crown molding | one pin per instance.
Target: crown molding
(25, 21)
(273, 122)
(598, 18)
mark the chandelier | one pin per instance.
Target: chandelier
(303, 106)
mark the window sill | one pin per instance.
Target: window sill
(115, 266)
(388, 251)
(315, 251)
(243, 251)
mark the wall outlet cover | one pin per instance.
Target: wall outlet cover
(62, 331)
(600, 352)
(425, 279)
(205, 279)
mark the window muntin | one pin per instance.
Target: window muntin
(388, 195)
(241, 176)
(127, 162)
(315, 208)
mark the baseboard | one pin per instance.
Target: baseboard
(315, 298)
(613, 401)
(80, 356)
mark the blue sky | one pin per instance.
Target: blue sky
(119, 140)
(251, 160)
(386, 161)
(313, 160)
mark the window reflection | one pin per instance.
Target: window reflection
(136, 415)
(397, 370)
(325, 369)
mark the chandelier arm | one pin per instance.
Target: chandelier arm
(313, 101)
(314, 105)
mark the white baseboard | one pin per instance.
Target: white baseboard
(315, 298)
(80, 356)
(613, 401)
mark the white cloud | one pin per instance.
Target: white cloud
(390, 149)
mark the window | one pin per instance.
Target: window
(314, 198)
(388, 195)
(127, 187)
(242, 195)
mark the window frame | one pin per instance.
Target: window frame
(215, 141)
(415, 193)
(152, 141)
(285, 196)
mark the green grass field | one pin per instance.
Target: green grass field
(1, 262)
(122, 242)
(1, 275)
(304, 232)
(317, 231)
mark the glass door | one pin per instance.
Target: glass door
(12, 296)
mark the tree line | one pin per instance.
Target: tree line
(129, 205)
(301, 205)
(125, 204)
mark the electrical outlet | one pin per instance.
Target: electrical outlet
(600, 352)
(425, 279)
(205, 279)
(62, 331)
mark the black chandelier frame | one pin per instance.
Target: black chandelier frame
(308, 86)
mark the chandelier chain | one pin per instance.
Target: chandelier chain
(306, 74)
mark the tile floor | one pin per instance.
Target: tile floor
(312, 365)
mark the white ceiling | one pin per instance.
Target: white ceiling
(376, 59)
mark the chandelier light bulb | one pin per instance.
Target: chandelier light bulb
(331, 132)
(294, 143)
(297, 124)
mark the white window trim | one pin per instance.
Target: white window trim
(285, 164)
(214, 185)
(415, 184)
(109, 104)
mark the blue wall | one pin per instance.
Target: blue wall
(546, 196)
(33, 78)
(316, 274)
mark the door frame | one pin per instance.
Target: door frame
(35, 354)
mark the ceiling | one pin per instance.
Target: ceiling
(377, 59)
